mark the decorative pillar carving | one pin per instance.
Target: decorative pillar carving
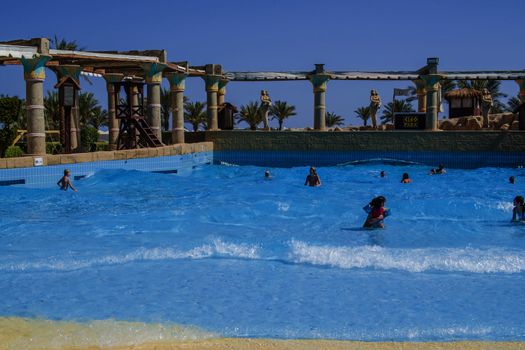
(34, 75)
(319, 80)
(421, 94)
(177, 86)
(432, 87)
(153, 78)
(113, 123)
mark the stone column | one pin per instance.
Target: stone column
(73, 72)
(34, 75)
(212, 87)
(521, 83)
(113, 122)
(221, 92)
(421, 93)
(177, 86)
(153, 78)
(432, 86)
(319, 81)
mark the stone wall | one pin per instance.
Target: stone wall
(451, 141)
(172, 150)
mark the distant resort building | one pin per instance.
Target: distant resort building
(463, 102)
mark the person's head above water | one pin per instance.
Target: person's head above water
(67, 172)
(511, 179)
(519, 200)
(313, 171)
(267, 173)
(378, 202)
(405, 176)
(382, 173)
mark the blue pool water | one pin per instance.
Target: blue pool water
(226, 251)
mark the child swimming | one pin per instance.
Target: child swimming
(376, 213)
(65, 182)
(518, 212)
(405, 179)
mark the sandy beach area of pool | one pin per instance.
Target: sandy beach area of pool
(273, 344)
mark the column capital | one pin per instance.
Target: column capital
(319, 81)
(153, 72)
(212, 82)
(431, 81)
(177, 81)
(34, 68)
(420, 86)
(222, 86)
(69, 70)
(113, 77)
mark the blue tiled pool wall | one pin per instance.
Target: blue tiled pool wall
(463, 160)
(44, 176)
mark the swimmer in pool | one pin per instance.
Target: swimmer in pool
(406, 179)
(518, 212)
(267, 175)
(512, 180)
(376, 213)
(439, 171)
(313, 179)
(65, 182)
(382, 173)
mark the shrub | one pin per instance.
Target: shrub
(13, 151)
(53, 147)
(88, 136)
(100, 146)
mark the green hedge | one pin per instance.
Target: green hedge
(100, 146)
(88, 136)
(13, 151)
(53, 147)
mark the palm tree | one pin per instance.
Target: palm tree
(494, 88)
(363, 113)
(52, 112)
(195, 114)
(250, 114)
(63, 44)
(513, 103)
(99, 117)
(399, 106)
(87, 105)
(332, 119)
(281, 110)
(165, 107)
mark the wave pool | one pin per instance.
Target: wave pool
(220, 251)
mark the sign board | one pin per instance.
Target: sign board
(410, 121)
(38, 161)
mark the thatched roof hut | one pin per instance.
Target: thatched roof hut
(463, 102)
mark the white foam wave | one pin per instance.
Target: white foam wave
(217, 248)
(412, 260)
(505, 206)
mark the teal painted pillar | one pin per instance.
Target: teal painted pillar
(153, 78)
(221, 93)
(34, 75)
(212, 87)
(432, 87)
(113, 122)
(177, 87)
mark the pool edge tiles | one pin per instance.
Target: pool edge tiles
(42, 334)
(43, 176)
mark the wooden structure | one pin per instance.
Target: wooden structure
(134, 131)
(463, 102)
(67, 97)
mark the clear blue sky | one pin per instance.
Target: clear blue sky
(283, 35)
